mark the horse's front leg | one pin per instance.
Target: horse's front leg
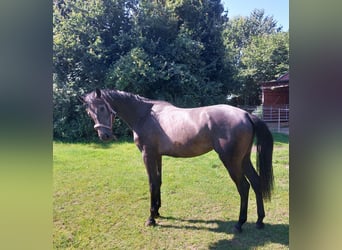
(151, 161)
(159, 176)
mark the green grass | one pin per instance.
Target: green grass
(101, 201)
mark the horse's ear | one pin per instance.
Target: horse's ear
(98, 93)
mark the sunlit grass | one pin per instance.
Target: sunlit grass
(101, 201)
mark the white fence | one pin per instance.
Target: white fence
(277, 118)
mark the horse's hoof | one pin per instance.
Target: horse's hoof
(237, 229)
(259, 225)
(150, 222)
(157, 215)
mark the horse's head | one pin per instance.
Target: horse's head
(101, 113)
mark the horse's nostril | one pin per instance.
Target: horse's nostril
(105, 137)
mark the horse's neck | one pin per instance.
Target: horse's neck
(128, 107)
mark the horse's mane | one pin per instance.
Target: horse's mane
(127, 95)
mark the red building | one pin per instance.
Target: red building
(276, 93)
(275, 98)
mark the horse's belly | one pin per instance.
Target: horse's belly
(190, 148)
(185, 134)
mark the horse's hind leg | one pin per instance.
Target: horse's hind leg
(159, 178)
(243, 188)
(254, 179)
(235, 171)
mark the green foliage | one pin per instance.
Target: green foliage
(132, 72)
(172, 59)
(88, 38)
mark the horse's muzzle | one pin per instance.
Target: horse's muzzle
(105, 136)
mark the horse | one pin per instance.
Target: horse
(160, 128)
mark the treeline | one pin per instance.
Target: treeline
(184, 51)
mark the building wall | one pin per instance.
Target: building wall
(277, 97)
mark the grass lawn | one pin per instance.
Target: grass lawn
(101, 201)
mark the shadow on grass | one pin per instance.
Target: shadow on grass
(250, 238)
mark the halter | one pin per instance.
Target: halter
(112, 117)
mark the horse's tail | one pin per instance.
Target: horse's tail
(264, 142)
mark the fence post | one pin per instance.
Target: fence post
(278, 120)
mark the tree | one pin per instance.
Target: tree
(258, 51)
(171, 50)
(239, 31)
(266, 57)
(181, 45)
(88, 36)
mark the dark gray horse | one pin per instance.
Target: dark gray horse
(160, 128)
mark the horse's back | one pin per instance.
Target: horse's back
(228, 116)
(221, 118)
